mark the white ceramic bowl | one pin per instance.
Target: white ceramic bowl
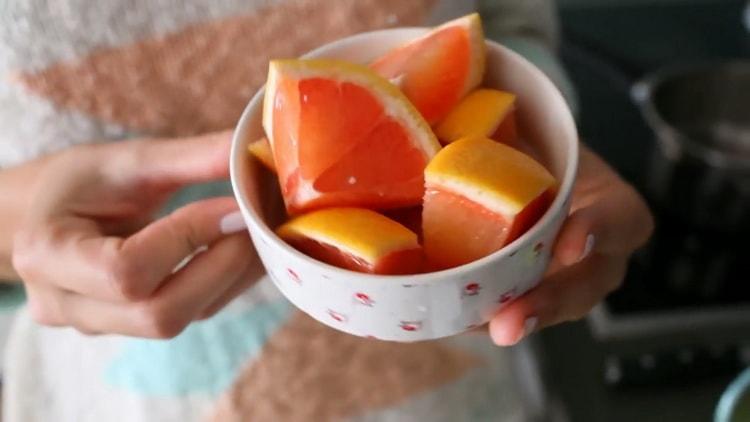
(423, 306)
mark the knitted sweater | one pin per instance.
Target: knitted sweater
(77, 71)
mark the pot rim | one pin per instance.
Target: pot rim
(672, 140)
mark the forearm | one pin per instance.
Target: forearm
(16, 187)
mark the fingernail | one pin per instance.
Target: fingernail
(590, 241)
(528, 327)
(232, 223)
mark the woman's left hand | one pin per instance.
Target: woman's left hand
(608, 221)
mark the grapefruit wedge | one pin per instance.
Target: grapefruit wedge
(343, 136)
(261, 150)
(436, 70)
(356, 239)
(485, 112)
(481, 195)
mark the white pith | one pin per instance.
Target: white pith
(494, 201)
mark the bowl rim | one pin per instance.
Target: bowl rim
(731, 397)
(259, 228)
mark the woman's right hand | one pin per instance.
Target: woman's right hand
(92, 258)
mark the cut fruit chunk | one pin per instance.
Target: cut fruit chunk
(343, 136)
(483, 113)
(261, 150)
(435, 71)
(356, 239)
(411, 218)
(481, 195)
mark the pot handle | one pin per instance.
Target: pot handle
(640, 92)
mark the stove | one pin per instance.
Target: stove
(664, 345)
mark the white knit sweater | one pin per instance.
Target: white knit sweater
(78, 71)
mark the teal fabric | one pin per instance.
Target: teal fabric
(197, 192)
(205, 358)
(11, 297)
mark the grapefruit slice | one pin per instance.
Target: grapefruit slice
(410, 217)
(481, 195)
(261, 150)
(343, 136)
(356, 239)
(436, 70)
(483, 113)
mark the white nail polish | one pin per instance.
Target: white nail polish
(590, 241)
(529, 326)
(232, 223)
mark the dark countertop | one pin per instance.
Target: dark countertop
(572, 364)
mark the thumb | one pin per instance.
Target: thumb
(167, 242)
(170, 163)
(616, 224)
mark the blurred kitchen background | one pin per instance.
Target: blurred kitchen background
(664, 92)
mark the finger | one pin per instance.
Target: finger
(482, 329)
(568, 295)
(44, 304)
(182, 298)
(243, 283)
(152, 254)
(74, 257)
(618, 211)
(174, 162)
(616, 224)
(204, 279)
(126, 227)
(133, 268)
(252, 274)
(576, 239)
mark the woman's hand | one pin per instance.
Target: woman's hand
(608, 222)
(92, 258)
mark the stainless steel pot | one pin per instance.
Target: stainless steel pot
(700, 167)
